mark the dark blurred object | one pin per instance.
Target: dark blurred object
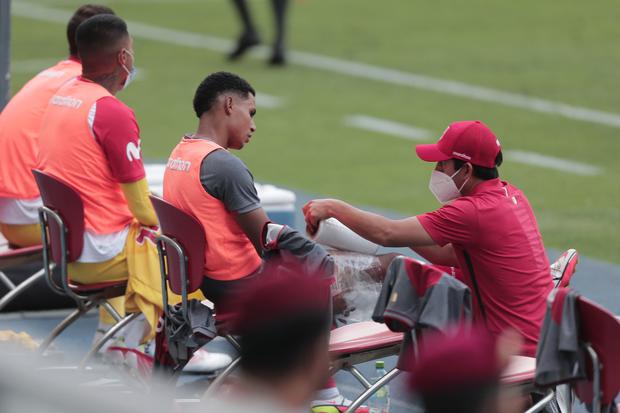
(451, 361)
(250, 37)
(460, 371)
(280, 296)
(283, 322)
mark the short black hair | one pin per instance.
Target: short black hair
(272, 350)
(98, 38)
(84, 12)
(480, 171)
(214, 85)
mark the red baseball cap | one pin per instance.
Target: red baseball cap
(470, 140)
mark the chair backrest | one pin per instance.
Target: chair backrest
(66, 202)
(406, 301)
(188, 233)
(600, 329)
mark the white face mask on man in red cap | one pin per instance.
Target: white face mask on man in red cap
(443, 187)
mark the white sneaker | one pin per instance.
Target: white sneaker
(207, 362)
(564, 267)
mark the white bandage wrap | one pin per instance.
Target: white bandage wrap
(272, 234)
(333, 233)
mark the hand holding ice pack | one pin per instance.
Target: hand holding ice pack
(333, 233)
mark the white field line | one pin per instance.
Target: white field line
(37, 65)
(387, 127)
(409, 132)
(30, 10)
(347, 67)
(550, 162)
(264, 100)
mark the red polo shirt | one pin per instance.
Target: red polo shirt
(496, 227)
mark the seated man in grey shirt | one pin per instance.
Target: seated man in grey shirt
(204, 179)
(227, 179)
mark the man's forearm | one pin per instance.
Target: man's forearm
(137, 196)
(368, 225)
(378, 229)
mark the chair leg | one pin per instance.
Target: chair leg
(6, 281)
(542, 403)
(70, 319)
(108, 335)
(359, 376)
(220, 379)
(111, 310)
(372, 389)
(233, 341)
(17, 290)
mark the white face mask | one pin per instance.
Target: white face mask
(443, 187)
(131, 74)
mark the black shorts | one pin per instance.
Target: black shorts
(218, 292)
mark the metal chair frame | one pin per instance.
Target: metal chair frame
(595, 378)
(16, 290)
(596, 386)
(164, 242)
(348, 364)
(84, 302)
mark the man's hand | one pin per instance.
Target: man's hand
(316, 211)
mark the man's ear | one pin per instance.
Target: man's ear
(228, 104)
(120, 57)
(469, 169)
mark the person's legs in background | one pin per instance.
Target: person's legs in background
(279, 14)
(249, 36)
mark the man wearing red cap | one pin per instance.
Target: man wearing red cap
(486, 228)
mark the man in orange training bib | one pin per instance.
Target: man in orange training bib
(205, 180)
(91, 141)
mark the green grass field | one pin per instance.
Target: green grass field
(566, 52)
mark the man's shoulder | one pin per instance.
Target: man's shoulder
(463, 203)
(114, 107)
(510, 187)
(222, 161)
